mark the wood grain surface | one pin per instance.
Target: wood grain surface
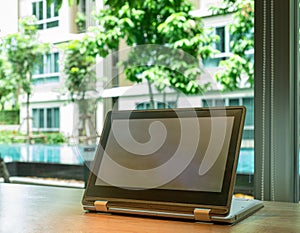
(29, 208)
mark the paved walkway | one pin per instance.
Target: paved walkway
(45, 181)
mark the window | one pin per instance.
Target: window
(157, 105)
(297, 99)
(276, 100)
(245, 170)
(248, 102)
(47, 16)
(222, 45)
(47, 69)
(45, 119)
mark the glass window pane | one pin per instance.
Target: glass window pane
(49, 63)
(35, 116)
(51, 79)
(39, 66)
(220, 45)
(56, 62)
(49, 11)
(161, 105)
(34, 12)
(219, 102)
(48, 72)
(248, 134)
(140, 106)
(49, 118)
(52, 24)
(212, 62)
(297, 62)
(172, 104)
(41, 26)
(56, 118)
(41, 118)
(56, 11)
(41, 11)
(234, 102)
(249, 104)
(207, 103)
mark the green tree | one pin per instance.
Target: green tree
(7, 85)
(241, 64)
(23, 50)
(166, 23)
(161, 22)
(79, 69)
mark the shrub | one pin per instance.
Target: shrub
(55, 138)
(9, 117)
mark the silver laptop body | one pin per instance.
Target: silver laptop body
(178, 163)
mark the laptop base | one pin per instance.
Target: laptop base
(240, 209)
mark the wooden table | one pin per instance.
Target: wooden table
(29, 208)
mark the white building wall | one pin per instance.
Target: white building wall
(25, 8)
(204, 7)
(67, 119)
(129, 102)
(8, 17)
(99, 117)
(23, 116)
(189, 101)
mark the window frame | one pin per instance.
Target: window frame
(223, 55)
(49, 72)
(146, 104)
(43, 125)
(276, 94)
(226, 100)
(43, 21)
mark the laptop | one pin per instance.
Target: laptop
(175, 163)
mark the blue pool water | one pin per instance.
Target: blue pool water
(65, 154)
(246, 161)
(62, 154)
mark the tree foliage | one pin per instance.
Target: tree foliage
(240, 65)
(167, 23)
(22, 51)
(7, 84)
(79, 67)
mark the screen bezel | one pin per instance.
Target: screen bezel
(223, 198)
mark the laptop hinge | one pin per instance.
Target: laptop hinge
(101, 206)
(202, 214)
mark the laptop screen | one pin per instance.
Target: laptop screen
(167, 153)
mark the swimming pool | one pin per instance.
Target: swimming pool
(62, 154)
(66, 154)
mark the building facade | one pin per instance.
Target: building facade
(52, 109)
